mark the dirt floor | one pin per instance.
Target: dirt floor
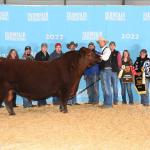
(85, 127)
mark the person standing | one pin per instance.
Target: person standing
(72, 47)
(146, 68)
(42, 55)
(91, 75)
(138, 68)
(115, 65)
(57, 53)
(13, 55)
(127, 78)
(105, 72)
(27, 56)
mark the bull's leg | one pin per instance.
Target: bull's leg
(63, 106)
(8, 103)
(63, 100)
(65, 110)
(9, 107)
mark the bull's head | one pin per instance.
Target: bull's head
(90, 57)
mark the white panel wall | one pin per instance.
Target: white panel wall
(69, 2)
(77, 2)
(36, 2)
(94, 2)
(137, 2)
(1, 1)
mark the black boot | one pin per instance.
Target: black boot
(131, 103)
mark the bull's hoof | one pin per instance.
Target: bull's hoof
(13, 113)
(60, 108)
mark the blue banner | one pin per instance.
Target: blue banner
(31, 25)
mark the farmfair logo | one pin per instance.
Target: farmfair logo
(90, 35)
(115, 16)
(146, 16)
(76, 16)
(15, 36)
(37, 17)
(4, 16)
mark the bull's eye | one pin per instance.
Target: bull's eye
(89, 54)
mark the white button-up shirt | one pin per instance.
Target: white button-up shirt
(106, 53)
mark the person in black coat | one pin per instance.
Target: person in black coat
(27, 56)
(139, 65)
(42, 56)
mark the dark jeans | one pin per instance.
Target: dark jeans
(93, 91)
(55, 101)
(145, 97)
(105, 76)
(114, 82)
(72, 101)
(126, 87)
(42, 102)
(26, 102)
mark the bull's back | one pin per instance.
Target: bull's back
(35, 78)
(31, 77)
(39, 74)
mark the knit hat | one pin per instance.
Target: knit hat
(58, 44)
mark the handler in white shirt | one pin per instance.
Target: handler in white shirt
(105, 72)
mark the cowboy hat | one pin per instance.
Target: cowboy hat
(102, 39)
(72, 43)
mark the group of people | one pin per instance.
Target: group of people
(114, 67)
(109, 71)
(42, 55)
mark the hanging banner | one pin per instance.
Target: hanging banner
(140, 84)
(127, 76)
